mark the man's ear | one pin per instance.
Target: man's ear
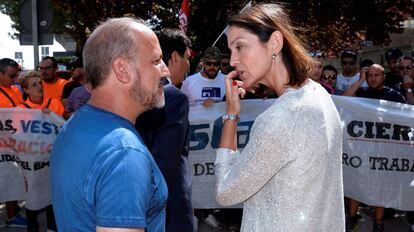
(120, 67)
(175, 56)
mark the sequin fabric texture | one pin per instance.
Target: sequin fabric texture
(289, 175)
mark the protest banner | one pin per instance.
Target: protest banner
(378, 149)
(26, 140)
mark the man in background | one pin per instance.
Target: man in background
(349, 73)
(207, 86)
(52, 84)
(10, 96)
(166, 132)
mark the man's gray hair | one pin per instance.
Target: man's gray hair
(113, 38)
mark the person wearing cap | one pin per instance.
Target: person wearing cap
(77, 76)
(75, 94)
(393, 78)
(207, 86)
(225, 67)
(349, 73)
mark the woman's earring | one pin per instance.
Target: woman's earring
(274, 56)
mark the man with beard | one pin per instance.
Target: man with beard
(75, 95)
(375, 77)
(77, 75)
(103, 177)
(349, 73)
(207, 86)
(406, 67)
(52, 84)
(165, 131)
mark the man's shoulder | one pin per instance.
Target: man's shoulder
(175, 99)
(220, 75)
(171, 90)
(394, 94)
(61, 81)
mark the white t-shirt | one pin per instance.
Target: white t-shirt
(199, 88)
(343, 82)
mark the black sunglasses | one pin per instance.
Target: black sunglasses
(408, 68)
(209, 63)
(330, 77)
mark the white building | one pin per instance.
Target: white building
(11, 48)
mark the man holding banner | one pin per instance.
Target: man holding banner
(10, 96)
(375, 77)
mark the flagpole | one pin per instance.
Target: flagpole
(227, 27)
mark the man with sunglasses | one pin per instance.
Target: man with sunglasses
(406, 68)
(10, 96)
(207, 86)
(225, 67)
(349, 73)
(52, 84)
(75, 95)
(328, 78)
(77, 75)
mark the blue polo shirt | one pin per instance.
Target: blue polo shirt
(103, 175)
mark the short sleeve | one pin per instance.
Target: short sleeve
(122, 189)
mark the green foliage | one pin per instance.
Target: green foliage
(324, 25)
(12, 8)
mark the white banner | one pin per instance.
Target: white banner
(378, 157)
(26, 139)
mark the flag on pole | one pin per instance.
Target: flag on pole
(183, 16)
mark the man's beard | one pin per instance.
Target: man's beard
(48, 79)
(148, 99)
(211, 74)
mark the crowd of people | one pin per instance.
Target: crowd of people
(121, 159)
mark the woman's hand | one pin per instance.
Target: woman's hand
(234, 89)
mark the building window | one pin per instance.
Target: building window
(18, 55)
(44, 51)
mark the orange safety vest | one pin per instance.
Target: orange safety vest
(54, 90)
(48, 103)
(10, 97)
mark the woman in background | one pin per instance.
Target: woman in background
(32, 86)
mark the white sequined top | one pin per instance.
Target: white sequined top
(289, 175)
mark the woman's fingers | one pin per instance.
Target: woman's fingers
(229, 81)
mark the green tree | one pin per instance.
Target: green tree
(324, 25)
